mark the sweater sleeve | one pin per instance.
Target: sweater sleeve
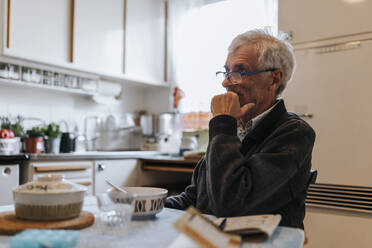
(188, 197)
(237, 185)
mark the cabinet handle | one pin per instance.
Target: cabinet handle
(101, 167)
(306, 115)
(61, 168)
(7, 171)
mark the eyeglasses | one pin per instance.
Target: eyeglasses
(236, 77)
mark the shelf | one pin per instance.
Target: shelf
(63, 67)
(19, 83)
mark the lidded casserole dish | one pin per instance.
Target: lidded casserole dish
(49, 198)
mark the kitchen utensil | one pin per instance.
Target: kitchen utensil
(188, 144)
(49, 198)
(126, 121)
(149, 201)
(116, 187)
(67, 142)
(164, 125)
(92, 130)
(10, 224)
(67, 139)
(147, 125)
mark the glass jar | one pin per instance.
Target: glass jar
(75, 82)
(48, 78)
(59, 79)
(14, 72)
(4, 70)
(26, 74)
(36, 76)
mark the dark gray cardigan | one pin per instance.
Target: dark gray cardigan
(265, 173)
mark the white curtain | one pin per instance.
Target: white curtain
(200, 32)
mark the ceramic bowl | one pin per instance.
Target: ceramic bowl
(149, 201)
(49, 198)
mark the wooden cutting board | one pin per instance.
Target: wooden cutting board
(9, 224)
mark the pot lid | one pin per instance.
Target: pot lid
(50, 184)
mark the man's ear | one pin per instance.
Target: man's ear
(278, 76)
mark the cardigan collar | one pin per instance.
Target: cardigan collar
(266, 126)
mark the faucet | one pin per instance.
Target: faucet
(64, 123)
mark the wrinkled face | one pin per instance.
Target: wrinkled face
(259, 89)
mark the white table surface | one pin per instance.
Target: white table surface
(159, 233)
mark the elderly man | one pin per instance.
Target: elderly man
(262, 166)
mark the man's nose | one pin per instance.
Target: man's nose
(226, 82)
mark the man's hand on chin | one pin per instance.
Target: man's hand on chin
(228, 104)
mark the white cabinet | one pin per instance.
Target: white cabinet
(145, 39)
(99, 35)
(38, 30)
(117, 172)
(9, 178)
(319, 19)
(335, 87)
(80, 172)
(114, 39)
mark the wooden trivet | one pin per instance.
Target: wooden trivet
(9, 224)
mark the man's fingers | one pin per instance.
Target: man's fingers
(245, 108)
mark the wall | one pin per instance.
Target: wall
(158, 100)
(57, 106)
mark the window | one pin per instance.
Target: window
(201, 41)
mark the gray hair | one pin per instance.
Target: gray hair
(272, 52)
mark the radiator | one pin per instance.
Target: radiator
(346, 197)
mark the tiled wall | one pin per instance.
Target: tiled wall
(57, 106)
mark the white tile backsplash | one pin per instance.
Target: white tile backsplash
(57, 106)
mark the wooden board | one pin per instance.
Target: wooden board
(9, 224)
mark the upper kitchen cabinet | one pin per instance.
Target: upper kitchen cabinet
(38, 30)
(319, 19)
(145, 46)
(99, 35)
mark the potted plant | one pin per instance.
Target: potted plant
(11, 131)
(34, 140)
(53, 138)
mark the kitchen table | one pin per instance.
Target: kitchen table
(159, 232)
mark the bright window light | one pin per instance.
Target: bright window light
(202, 40)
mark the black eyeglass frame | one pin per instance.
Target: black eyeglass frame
(227, 74)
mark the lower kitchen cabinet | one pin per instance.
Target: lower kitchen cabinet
(118, 172)
(75, 171)
(9, 178)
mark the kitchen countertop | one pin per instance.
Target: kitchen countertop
(94, 155)
(14, 158)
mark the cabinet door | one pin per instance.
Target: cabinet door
(145, 39)
(116, 171)
(40, 30)
(335, 87)
(9, 178)
(319, 19)
(99, 35)
(75, 171)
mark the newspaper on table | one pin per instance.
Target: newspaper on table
(224, 232)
